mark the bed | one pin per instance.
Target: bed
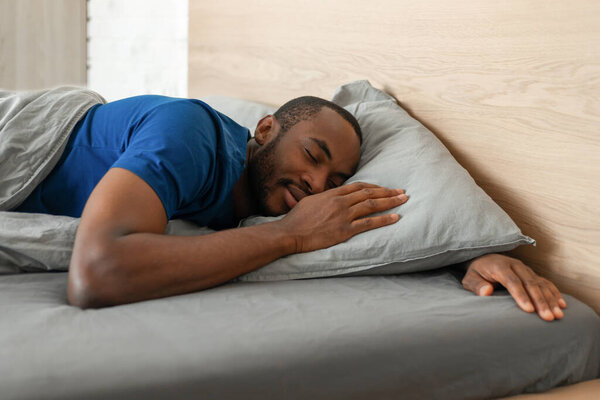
(509, 88)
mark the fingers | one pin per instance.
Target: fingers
(525, 298)
(356, 186)
(367, 193)
(366, 198)
(555, 293)
(370, 206)
(561, 301)
(473, 282)
(531, 291)
(477, 284)
(366, 224)
(545, 295)
(552, 303)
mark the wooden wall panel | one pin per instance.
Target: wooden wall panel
(512, 88)
(42, 43)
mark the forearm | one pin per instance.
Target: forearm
(147, 265)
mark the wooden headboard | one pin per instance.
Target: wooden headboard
(512, 88)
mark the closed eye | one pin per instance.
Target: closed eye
(310, 155)
(330, 183)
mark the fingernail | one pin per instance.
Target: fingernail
(562, 302)
(558, 312)
(402, 196)
(400, 190)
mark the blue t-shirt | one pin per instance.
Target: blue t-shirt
(190, 154)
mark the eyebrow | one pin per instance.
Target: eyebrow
(323, 145)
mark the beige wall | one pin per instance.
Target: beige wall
(42, 43)
(512, 88)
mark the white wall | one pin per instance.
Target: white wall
(137, 47)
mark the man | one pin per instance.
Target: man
(133, 164)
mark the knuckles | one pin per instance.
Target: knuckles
(531, 283)
(512, 280)
(367, 222)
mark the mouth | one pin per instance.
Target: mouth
(292, 195)
(288, 198)
(297, 192)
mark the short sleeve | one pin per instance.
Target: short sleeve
(173, 149)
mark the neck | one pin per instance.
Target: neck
(244, 203)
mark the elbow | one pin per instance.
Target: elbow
(89, 275)
(81, 292)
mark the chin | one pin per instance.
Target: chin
(272, 213)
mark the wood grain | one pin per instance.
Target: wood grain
(587, 390)
(512, 89)
(42, 43)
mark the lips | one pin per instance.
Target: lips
(289, 200)
(298, 193)
(292, 195)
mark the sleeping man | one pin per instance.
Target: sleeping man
(131, 165)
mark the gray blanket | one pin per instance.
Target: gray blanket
(40, 242)
(34, 130)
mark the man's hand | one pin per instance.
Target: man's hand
(530, 291)
(335, 215)
(121, 255)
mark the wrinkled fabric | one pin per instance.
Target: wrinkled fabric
(40, 242)
(412, 336)
(34, 130)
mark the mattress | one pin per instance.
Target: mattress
(410, 336)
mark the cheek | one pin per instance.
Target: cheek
(282, 169)
(275, 201)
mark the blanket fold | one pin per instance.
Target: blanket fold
(34, 130)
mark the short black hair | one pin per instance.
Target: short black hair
(306, 107)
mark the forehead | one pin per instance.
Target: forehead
(331, 129)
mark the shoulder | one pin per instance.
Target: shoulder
(145, 107)
(170, 122)
(185, 115)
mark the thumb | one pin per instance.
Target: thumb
(477, 284)
(484, 288)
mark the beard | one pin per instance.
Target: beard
(261, 169)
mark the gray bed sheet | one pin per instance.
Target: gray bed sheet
(415, 336)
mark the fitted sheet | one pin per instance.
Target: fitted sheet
(407, 336)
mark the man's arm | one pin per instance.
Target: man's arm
(121, 255)
(531, 291)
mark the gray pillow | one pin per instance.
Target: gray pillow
(448, 218)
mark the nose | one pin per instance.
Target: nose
(315, 180)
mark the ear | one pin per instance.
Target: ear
(265, 129)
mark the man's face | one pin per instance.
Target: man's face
(312, 156)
